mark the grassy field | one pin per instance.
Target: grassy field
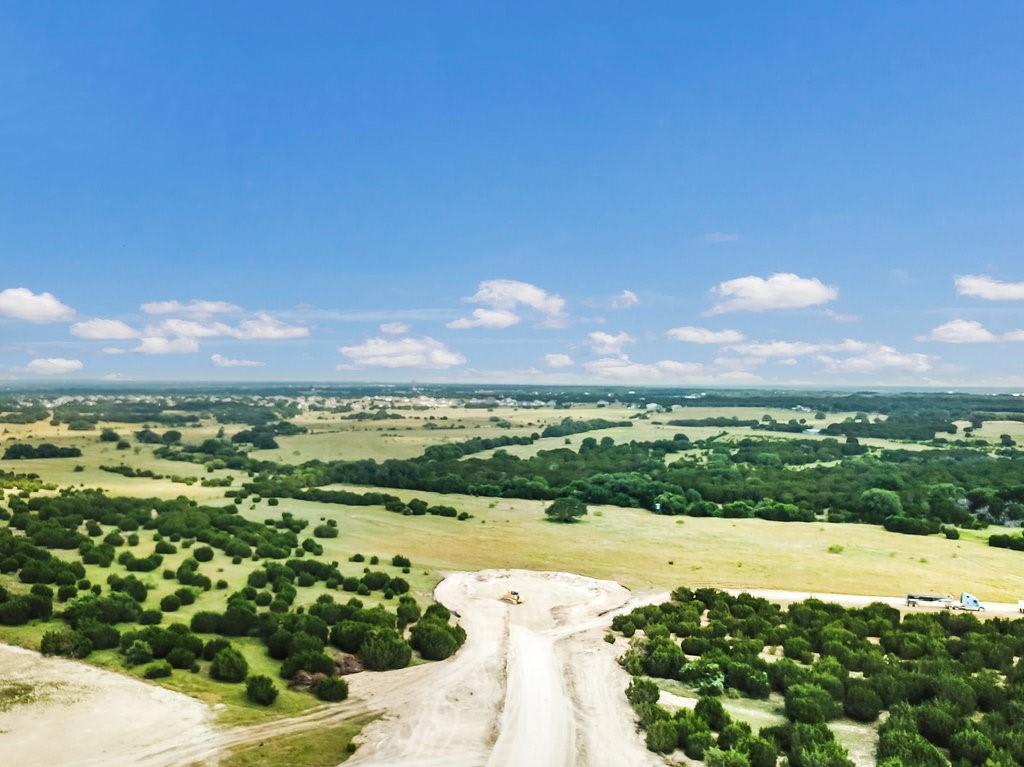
(646, 552)
(315, 747)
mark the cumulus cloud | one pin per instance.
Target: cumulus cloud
(53, 366)
(103, 330)
(968, 332)
(486, 318)
(508, 296)
(849, 355)
(558, 360)
(23, 304)
(264, 327)
(767, 349)
(625, 300)
(694, 335)
(717, 238)
(394, 328)
(189, 328)
(195, 306)
(779, 291)
(161, 345)
(960, 332)
(879, 357)
(227, 362)
(606, 343)
(422, 352)
(624, 369)
(983, 286)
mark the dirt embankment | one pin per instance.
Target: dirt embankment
(75, 714)
(533, 685)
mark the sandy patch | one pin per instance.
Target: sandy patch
(81, 716)
(534, 684)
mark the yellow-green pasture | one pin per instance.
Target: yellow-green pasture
(646, 552)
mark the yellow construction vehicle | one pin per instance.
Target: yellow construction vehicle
(512, 597)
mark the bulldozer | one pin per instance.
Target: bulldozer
(512, 597)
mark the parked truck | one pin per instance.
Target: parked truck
(967, 602)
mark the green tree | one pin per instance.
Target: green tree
(260, 689)
(877, 504)
(662, 736)
(66, 642)
(229, 666)
(332, 689)
(566, 510)
(809, 703)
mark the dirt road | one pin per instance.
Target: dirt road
(533, 685)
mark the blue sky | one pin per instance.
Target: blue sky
(294, 178)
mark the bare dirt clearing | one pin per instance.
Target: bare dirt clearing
(81, 716)
(534, 683)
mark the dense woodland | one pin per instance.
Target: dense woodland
(948, 686)
(119, 613)
(839, 481)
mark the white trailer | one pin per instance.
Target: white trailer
(967, 602)
(929, 600)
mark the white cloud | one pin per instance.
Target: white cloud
(265, 327)
(694, 335)
(766, 349)
(625, 300)
(739, 363)
(114, 350)
(983, 286)
(509, 295)
(104, 330)
(189, 328)
(606, 343)
(857, 356)
(262, 327)
(486, 318)
(394, 328)
(116, 377)
(779, 291)
(960, 332)
(558, 360)
(624, 369)
(226, 362)
(53, 366)
(422, 352)
(195, 306)
(23, 304)
(968, 332)
(717, 238)
(161, 345)
(878, 357)
(840, 316)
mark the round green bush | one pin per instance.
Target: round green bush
(809, 703)
(662, 736)
(332, 689)
(158, 670)
(260, 689)
(65, 642)
(228, 665)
